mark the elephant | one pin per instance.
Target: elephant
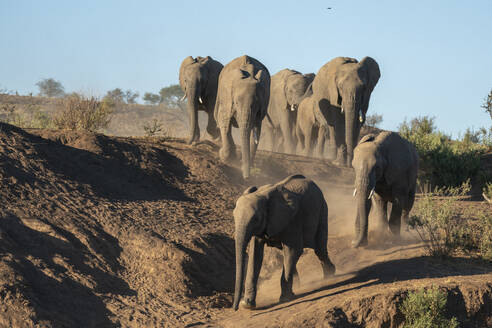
(288, 88)
(242, 99)
(385, 171)
(311, 128)
(291, 215)
(342, 89)
(198, 78)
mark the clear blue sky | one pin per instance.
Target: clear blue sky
(435, 56)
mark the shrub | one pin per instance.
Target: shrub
(443, 162)
(485, 233)
(438, 221)
(426, 308)
(153, 128)
(30, 117)
(446, 228)
(83, 113)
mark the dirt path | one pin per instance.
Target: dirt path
(97, 231)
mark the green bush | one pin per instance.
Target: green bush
(426, 309)
(437, 219)
(443, 162)
(446, 228)
(485, 234)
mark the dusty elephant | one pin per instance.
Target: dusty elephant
(290, 215)
(242, 100)
(385, 171)
(198, 78)
(311, 129)
(342, 90)
(287, 90)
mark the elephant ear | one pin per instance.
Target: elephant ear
(187, 61)
(250, 190)
(370, 76)
(259, 76)
(282, 206)
(367, 138)
(309, 77)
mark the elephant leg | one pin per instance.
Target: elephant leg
(340, 142)
(305, 134)
(291, 256)
(287, 131)
(267, 139)
(212, 128)
(228, 150)
(381, 207)
(255, 260)
(332, 146)
(195, 128)
(256, 133)
(395, 218)
(320, 144)
(321, 249)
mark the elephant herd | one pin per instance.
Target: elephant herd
(297, 112)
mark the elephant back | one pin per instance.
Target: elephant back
(246, 63)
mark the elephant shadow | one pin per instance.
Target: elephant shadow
(210, 266)
(424, 267)
(58, 274)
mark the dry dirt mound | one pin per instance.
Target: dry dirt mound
(98, 231)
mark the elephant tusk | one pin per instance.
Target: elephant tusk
(341, 110)
(355, 192)
(371, 194)
(183, 98)
(255, 137)
(292, 108)
(361, 119)
(200, 100)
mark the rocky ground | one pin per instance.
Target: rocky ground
(100, 231)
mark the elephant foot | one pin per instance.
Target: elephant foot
(286, 297)
(248, 304)
(339, 162)
(357, 244)
(226, 156)
(328, 270)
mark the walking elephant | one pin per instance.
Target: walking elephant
(288, 88)
(342, 89)
(242, 100)
(290, 215)
(198, 78)
(385, 171)
(311, 128)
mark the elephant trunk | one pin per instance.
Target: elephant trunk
(193, 95)
(364, 189)
(351, 127)
(245, 133)
(242, 238)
